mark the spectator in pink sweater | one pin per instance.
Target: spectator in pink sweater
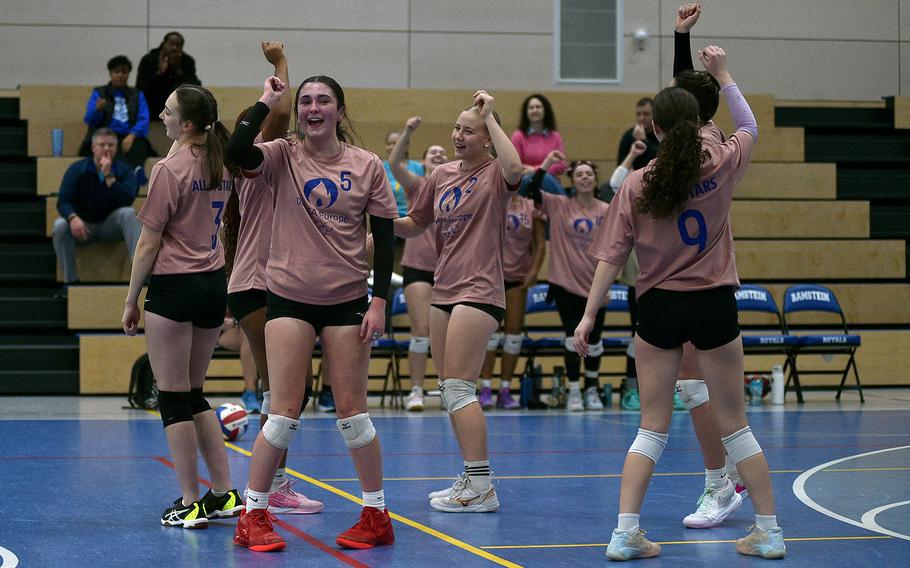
(535, 138)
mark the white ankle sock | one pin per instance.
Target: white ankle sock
(486, 383)
(628, 521)
(280, 477)
(256, 500)
(375, 499)
(715, 478)
(574, 386)
(766, 522)
(479, 474)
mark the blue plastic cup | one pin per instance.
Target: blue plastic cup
(57, 142)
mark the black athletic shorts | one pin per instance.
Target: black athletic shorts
(319, 316)
(510, 285)
(198, 297)
(412, 275)
(246, 302)
(495, 312)
(707, 318)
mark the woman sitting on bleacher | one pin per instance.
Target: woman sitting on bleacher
(124, 110)
(573, 221)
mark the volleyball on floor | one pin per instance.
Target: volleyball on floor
(233, 420)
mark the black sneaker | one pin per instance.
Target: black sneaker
(224, 507)
(186, 516)
(325, 402)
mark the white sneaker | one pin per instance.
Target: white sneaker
(714, 506)
(466, 499)
(414, 402)
(626, 546)
(592, 399)
(456, 486)
(575, 403)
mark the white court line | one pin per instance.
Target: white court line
(869, 516)
(799, 489)
(8, 559)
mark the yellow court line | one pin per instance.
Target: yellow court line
(411, 523)
(669, 542)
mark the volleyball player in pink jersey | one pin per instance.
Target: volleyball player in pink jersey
(248, 235)
(675, 211)
(317, 288)
(573, 223)
(467, 200)
(522, 256)
(186, 298)
(418, 261)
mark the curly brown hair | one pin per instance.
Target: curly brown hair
(676, 170)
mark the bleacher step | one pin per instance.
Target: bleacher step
(13, 140)
(39, 364)
(32, 262)
(854, 146)
(22, 219)
(9, 108)
(873, 183)
(17, 179)
(29, 308)
(828, 117)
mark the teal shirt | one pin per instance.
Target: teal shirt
(397, 190)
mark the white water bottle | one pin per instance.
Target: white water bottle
(777, 384)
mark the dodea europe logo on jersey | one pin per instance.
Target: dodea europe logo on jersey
(513, 222)
(321, 193)
(583, 225)
(450, 200)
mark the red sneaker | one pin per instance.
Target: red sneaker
(254, 531)
(373, 529)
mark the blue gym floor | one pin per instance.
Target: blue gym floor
(85, 486)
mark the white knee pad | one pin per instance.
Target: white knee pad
(596, 349)
(279, 430)
(457, 393)
(266, 402)
(649, 444)
(570, 344)
(741, 445)
(692, 392)
(419, 345)
(512, 344)
(356, 430)
(495, 340)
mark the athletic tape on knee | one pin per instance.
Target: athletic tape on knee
(279, 430)
(356, 430)
(266, 405)
(692, 392)
(419, 344)
(596, 349)
(174, 407)
(495, 340)
(741, 445)
(197, 402)
(512, 344)
(457, 393)
(569, 343)
(649, 444)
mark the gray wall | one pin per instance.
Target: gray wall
(794, 49)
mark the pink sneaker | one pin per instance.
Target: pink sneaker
(486, 398)
(287, 501)
(743, 492)
(505, 401)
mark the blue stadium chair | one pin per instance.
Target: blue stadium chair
(837, 341)
(390, 348)
(753, 298)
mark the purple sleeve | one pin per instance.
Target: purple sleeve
(743, 119)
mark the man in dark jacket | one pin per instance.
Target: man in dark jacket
(162, 70)
(94, 203)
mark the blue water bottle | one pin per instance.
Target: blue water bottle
(756, 388)
(57, 142)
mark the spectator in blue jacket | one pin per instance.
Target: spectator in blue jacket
(124, 110)
(95, 203)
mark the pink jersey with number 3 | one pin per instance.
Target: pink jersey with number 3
(318, 249)
(692, 250)
(187, 212)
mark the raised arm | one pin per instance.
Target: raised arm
(240, 148)
(397, 160)
(505, 151)
(622, 170)
(715, 61)
(536, 181)
(686, 16)
(539, 246)
(279, 119)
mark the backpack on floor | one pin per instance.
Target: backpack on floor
(143, 389)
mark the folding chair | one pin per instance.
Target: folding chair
(753, 298)
(815, 298)
(390, 348)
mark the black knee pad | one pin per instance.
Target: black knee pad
(307, 394)
(174, 407)
(197, 402)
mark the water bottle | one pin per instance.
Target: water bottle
(607, 395)
(777, 384)
(755, 390)
(527, 390)
(556, 389)
(57, 142)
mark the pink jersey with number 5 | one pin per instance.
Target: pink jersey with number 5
(691, 250)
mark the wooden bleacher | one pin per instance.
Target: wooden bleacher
(788, 224)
